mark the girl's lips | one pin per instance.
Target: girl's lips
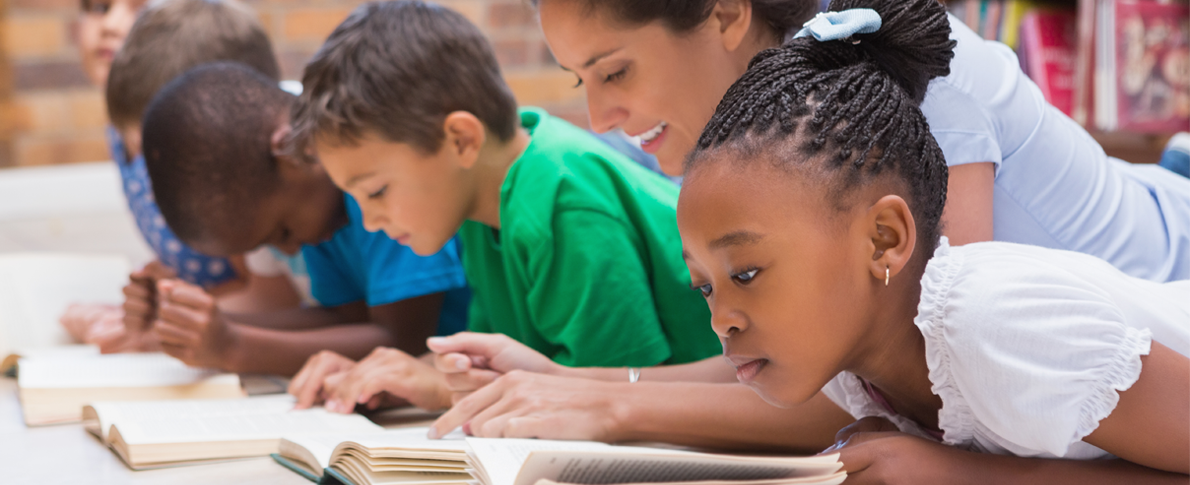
(747, 373)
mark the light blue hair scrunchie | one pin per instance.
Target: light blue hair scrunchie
(841, 25)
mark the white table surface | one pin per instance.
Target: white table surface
(67, 454)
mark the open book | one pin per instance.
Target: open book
(54, 388)
(152, 434)
(406, 457)
(526, 462)
(397, 456)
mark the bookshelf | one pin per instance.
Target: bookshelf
(1079, 70)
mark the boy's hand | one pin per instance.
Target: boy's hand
(190, 326)
(306, 386)
(471, 361)
(140, 296)
(385, 374)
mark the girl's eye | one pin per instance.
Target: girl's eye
(745, 277)
(616, 76)
(705, 290)
(379, 193)
(578, 84)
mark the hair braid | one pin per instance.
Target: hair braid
(859, 102)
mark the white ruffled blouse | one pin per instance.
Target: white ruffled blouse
(1028, 347)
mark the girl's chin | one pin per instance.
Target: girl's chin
(780, 396)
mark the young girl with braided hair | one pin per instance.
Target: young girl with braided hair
(810, 218)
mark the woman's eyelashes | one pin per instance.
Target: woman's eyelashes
(613, 77)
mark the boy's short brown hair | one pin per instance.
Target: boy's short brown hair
(397, 69)
(172, 36)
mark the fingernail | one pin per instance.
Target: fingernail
(363, 398)
(332, 406)
(434, 340)
(432, 433)
(461, 364)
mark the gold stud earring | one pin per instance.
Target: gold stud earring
(886, 276)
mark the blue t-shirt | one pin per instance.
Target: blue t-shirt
(191, 266)
(357, 265)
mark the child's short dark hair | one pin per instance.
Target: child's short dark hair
(208, 149)
(397, 69)
(173, 36)
(848, 108)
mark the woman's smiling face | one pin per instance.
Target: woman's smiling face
(646, 80)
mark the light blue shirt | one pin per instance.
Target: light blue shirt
(357, 265)
(1055, 187)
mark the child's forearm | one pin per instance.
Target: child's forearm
(712, 370)
(724, 416)
(982, 468)
(283, 352)
(293, 319)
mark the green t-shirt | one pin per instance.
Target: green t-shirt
(587, 266)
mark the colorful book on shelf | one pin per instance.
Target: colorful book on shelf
(54, 388)
(1048, 54)
(155, 434)
(1142, 66)
(1083, 105)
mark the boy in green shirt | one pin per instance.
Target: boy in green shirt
(569, 247)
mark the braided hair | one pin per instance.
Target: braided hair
(850, 107)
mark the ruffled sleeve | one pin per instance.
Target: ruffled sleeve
(1025, 355)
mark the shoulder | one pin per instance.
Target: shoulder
(1025, 351)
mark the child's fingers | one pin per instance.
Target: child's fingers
(466, 409)
(189, 295)
(472, 344)
(174, 335)
(182, 316)
(470, 381)
(452, 363)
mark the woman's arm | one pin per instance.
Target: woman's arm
(967, 217)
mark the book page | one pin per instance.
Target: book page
(412, 439)
(35, 288)
(499, 460)
(832, 479)
(317, 448)
(115, 370)
(211, 420)
(640, 465)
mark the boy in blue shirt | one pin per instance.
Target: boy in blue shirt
(226, 195)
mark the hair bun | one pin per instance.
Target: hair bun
(913, 44)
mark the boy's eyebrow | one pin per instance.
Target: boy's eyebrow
(735, 238)
(356, 179)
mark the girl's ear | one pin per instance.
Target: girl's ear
(893, 234)
(464, 137)
(732, 19)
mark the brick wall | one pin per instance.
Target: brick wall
(50, 113)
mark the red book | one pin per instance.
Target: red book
(1152, 64)
(1048, 38)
